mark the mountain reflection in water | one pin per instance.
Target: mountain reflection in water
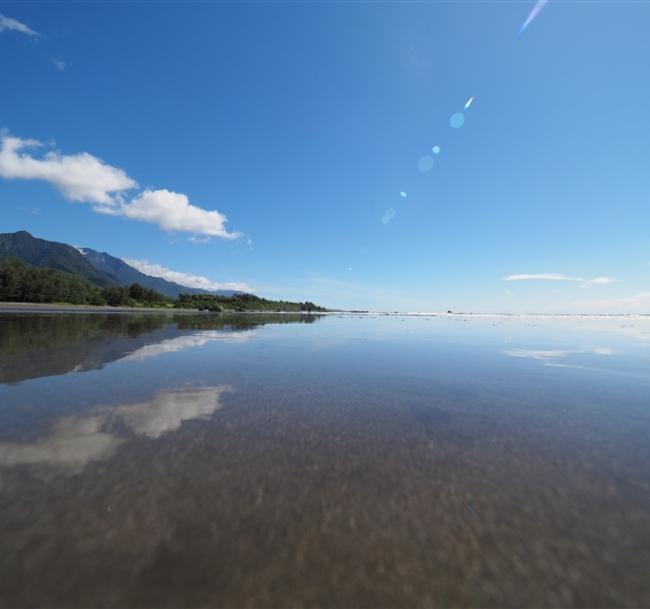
(33, 346)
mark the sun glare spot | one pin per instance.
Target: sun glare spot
(457, 120)
(389, 214)
(425, 164)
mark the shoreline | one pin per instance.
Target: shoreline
(42, 307)
(49, 307)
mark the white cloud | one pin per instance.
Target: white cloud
(192, 281)
(79, 177)
(6, 23)
(85, 178)
(558, 277)
(538, 277)
(173, 211)
(58, 63)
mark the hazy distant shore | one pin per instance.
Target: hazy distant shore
(35, 307)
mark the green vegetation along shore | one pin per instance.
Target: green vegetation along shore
(21, 282)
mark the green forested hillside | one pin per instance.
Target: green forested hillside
(49, 254)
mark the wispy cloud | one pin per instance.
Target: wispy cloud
(538, 277)
(600, 281)
(32, 211)
(637, 303)
(60, 65)
(7, 23)
(192, 281)
(85, 178)
(336, 292)
(558, 277)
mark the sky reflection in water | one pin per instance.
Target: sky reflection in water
(386, 461)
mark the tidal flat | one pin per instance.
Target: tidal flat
(335, 461)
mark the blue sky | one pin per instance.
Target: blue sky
(302, 124)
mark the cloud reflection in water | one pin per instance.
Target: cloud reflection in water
(76, 441)
(180, 343)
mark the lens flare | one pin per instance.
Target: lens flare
(468, 103)
(403, 195)
(425, 164)
(389, 214)
(457, 120)
(539, 5)
(436, 150)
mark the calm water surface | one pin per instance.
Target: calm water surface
(202, 461)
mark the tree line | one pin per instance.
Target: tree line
(20, 282)
(243, 302)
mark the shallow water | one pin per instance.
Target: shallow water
(284, 461)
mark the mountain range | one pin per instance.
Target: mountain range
(99, 268)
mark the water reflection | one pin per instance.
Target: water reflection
(180, 343)
(549, 357)
(167, 410)
(76, 441)
(72, 443)
(33, 346)
(381, 461)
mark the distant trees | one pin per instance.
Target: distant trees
(242, 302)
(116, 296)
(132, 296)
(203, 302)
(141, 294)
(20, 282)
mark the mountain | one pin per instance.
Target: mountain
(53, 255)
(125, 274)
(100, 268)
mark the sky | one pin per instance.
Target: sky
(407, 156)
